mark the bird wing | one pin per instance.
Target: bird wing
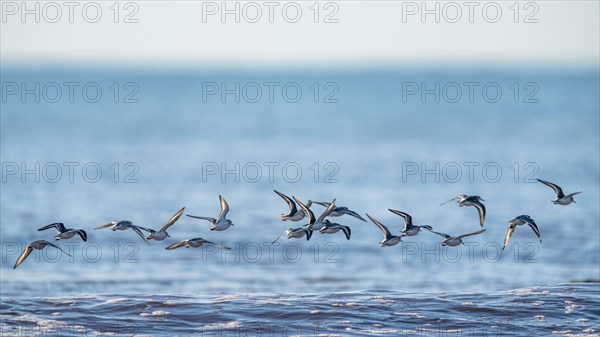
(347, 231)
(224, 209)
(57, 247)
(309, 214)
(216, 245)
(535, 228)
(382, 228)
(509, 233)
(106, 225)
(137, 230)
(474, 233)
(58, 225)
(556, 188)
(327, 211)
(354, 214)
(172, 220)
(213, 220)
(23, 256)
(290, 202)
(82, 234)
(406, 216)
(481, 210)
(176, 245)
(322, 203)
(448, 201)
(444, 235)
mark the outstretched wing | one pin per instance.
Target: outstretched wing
(480, 210)
(57, 247)
(82, 234)
(58, 225)
(309, 214)
(474, 233)
(509, 233)
(444, 235)
(535, 228)
(213, 220)
(448, 201)
(406, 216)
(106, 225)
(556, 188)
(347, 231)
(137, 230)
(327, 211)
(382, 228)
(172, 220)
(224, 209)
(290, 202)
(354, 214)
(23, 256)
(217, 245)
(176, 245)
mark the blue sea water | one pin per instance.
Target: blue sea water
(153, 142)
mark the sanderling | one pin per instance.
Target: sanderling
(162, 234)
(332, 228)
(221, 223)
(39, 244)
(454, 241)
(65, 233)
(315, 225)
(295, 213)
(388, 239)
(340, 210)
(409, 228)
(194, 243)
(471, 200)
(561, 198)
(518, 221)
(295, 233)
(125, 225)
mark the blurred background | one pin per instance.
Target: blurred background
(130, 111)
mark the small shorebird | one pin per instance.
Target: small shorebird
(518, 221)
(561, 198)
(194, 243)
(332, 228)
(454, 241)
(65, 233)
(315, 225)
(409, 228)
(388, 239)
(470, 200)
(295, 233)
(39, 244)
(162, 234)
(125, 225)
(340, 210)
(295, 214)
(221, 223)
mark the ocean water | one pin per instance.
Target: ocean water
(92, 146)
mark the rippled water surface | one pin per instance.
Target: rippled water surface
(155, 157)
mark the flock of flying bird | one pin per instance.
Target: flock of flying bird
(320, 224)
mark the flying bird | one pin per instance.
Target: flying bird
(295, 233)
(221, 223)
(472, 200)
(125, 225)
(561, 198)
(332, 228)
(39, 244)
(518, 221)
(315, 224)
(295, 214)
(388, 239)
(194, 243)
(162, 234)
(454, 241)
(63, 232)
(409, 228)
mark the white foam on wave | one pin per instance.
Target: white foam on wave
(155, 313)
